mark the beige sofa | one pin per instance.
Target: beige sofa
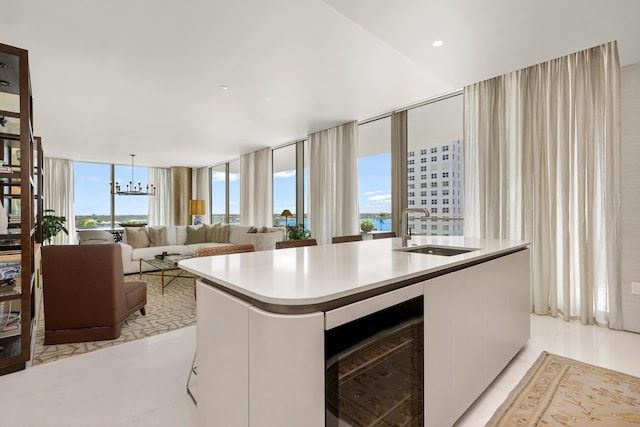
(178, 240)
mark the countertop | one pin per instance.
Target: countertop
(299, 278)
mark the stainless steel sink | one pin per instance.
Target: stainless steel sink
(437, 250)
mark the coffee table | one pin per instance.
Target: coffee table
(168, 263)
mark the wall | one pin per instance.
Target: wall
(630, 193)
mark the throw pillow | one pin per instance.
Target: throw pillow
(194, 235)
(218, 233)
(158, 236)
(263, 229)
(208, 232)
(137, 237)
(252, 230)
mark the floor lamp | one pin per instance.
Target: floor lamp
(286, 214)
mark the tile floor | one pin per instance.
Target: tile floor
(142, 383)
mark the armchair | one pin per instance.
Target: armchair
(85, 295)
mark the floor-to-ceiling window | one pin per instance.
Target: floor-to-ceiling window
(435, 166)
(92, 195)
(234, 192)
(284, 184)
(374, 172)
(219, 194)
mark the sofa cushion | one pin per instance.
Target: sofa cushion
(235, 231)
(261, 241)
(158, 236)
(195, 235)
(172, 239)
(137, 237)
(218, 233)
(181, 234)
(263, 229)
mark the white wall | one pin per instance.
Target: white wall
(630, 194)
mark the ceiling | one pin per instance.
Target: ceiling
(111, 78)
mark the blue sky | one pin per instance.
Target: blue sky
(92, 188)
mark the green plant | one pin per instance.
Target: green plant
(298, 232)
(52, 225)
(366, 226)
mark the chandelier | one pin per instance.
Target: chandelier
(132, 189)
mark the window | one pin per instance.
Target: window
(445, 201)
(445, 227)
(434, 210)
(434, 201)
(412, 178)
(412, 202)
(434, 184)
(219, 194)
(412, 194)
(423, 152)
(423, 194)
(445, 183)
(423, 177)
(445, 210)
(445, 148)
(434, 158)
(284, 183)
(445, 192)
(423, 168)
(423, 226)
(410, 154)
(423, 202)
(434, 175)
(234, 192)
(445, 174)
(411, 170)
(423, 160)
(412, 186)
(374, 172)
(411, 161)
(445, 157)
(423, 185)
(434, 227)
(92, 198)
(434, 192)
(434, 150)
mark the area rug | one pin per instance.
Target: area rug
(563, 392)
(173, 310)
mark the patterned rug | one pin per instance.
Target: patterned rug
(173, 310)
(563, 392)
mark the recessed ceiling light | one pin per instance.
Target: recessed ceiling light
(438, 43)
(224, 87)
(268, 99)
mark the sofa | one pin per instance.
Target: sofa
(85, 295)
(147, 242)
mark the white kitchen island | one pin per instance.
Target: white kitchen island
(262, 319)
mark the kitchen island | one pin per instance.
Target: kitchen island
(264, 319)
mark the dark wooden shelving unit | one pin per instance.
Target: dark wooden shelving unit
(20, 194)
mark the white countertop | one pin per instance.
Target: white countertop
(320, 274)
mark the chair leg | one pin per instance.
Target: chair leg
(143, 311)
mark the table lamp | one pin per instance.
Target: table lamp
(197, 211)
(286, 214)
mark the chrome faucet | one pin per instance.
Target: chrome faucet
(406, 233)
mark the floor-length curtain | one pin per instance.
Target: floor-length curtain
(333, 182)
(58, 195)
(160, 204)
(398, 168)
(542, 150)
(201, 190)
(256, 188)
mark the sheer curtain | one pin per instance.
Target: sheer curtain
(201, 184)
(543, 153)
(333, 182)
(160, 204)
(59, 195)
(398, 168)
(256, 188)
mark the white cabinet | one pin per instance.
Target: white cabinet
(476, 320)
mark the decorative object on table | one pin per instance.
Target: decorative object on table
(131, 188)
(298, 232)
(561, 391)
(52, 225)
(366, 226)
(4, 219)
(197, 211)
(286, 214)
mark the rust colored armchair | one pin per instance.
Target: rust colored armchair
(85, 295)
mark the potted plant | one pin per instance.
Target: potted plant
(298, 232)
(366, 226)
(52, 225)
